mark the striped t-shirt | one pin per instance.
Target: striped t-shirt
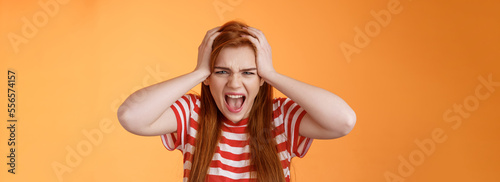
(231, 160)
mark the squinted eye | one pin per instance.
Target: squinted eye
(248, 73)
(221, 72)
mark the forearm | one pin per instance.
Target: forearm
(144, 106)
(325, 108)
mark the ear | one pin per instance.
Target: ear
(206, 82)
(261, 82)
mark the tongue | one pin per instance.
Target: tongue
(234, 103)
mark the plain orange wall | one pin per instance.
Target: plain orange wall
(407, 77)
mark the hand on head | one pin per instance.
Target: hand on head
(263, 52)
(204, 51)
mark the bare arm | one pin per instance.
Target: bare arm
(151, 115)
(328, 116)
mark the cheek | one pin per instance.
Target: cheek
(216, 86)
(253, 86)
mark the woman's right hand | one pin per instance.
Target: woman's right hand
(151, 115)
(204, 51)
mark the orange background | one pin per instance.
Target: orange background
(86, 57)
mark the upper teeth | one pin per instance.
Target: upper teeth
(235, 96)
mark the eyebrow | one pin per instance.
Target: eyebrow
(225, 68)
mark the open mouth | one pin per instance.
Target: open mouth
(234, 102)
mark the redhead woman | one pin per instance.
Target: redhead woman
(235, 130)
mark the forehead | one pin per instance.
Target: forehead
(236, 57)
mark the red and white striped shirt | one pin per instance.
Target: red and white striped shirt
(231, 160)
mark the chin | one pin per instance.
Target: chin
(235, 117)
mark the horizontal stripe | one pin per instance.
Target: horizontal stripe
(233, 143)
(229, 174)
(231, 156)
(231, 160)
(234, 150)
(234, 136)
(218, 178)
(189, 148)
(234, 163)
(218, 164)
(233, 129)
(227, 124)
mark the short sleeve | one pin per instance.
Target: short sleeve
(184, 109)
(291, 114)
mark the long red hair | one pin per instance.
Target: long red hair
(264, 160)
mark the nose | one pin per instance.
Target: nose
(234, 81)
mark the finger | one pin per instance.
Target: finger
(257, 33)
(210, 33)
(251, 31)
(254, 41)
(254, 30)
(212, 38)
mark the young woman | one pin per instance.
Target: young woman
(235, 130)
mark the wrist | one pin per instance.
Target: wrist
(201, 75)
(268, 76)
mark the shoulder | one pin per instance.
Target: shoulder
(189, 100)
(283, 108)
(187, 106)
(280, 101)
(192, 96)
(284, 104)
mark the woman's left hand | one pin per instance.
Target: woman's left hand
(263, 53)
(327, 115)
